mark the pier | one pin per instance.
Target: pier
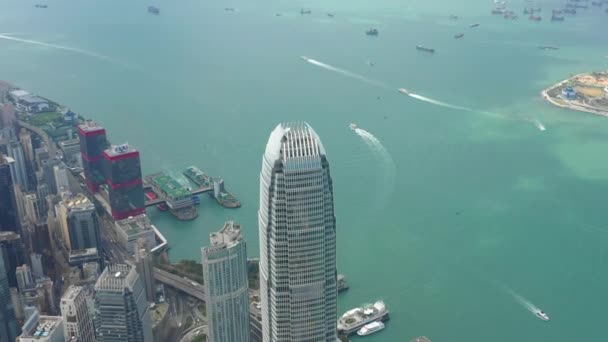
(167, 193)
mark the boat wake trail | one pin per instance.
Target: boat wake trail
(523, 302)
(539, 125)
(344, 72)
(439, 103)
(59, 47)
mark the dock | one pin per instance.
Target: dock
(161, 188)
(213, 185)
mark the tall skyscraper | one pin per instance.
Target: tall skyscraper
(297, 227)
(8, 323)
(24, 277)
(225, 274)
(9, 213)
(78, 323)
(79, 222)
(123, 176)
(37, 269)
(61, 177)
(11, 248)
(92, 144)
(121, 306)
(145, 268)
(19, 170)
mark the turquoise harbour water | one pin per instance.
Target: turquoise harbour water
(471, 204)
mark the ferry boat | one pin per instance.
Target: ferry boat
(372, 32)
(425, 49)
(459, 35)
(153, 10)
(542, 315)
(474, 25)
(356, 318)
(370, 328)
(197, 176)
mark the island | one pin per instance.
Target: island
(583, 92)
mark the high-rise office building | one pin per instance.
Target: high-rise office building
(9, 213)
(8, 323)
(75, 312)
(297, 227)
(92, 144)
(78, 220)
(18, 169)
(13, 255)
(60, 174)
(121, 306)
(123, 178)
(24, 277)
(34, 209)
(145, 268)
(25, 138)
(48, 173)
(39, 328)
(227, 296)
(37, 268)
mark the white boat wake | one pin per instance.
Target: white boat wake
(439, 103)
(528, 305)
(539, 125)
(344, 72)
(59, 47)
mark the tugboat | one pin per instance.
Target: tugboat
(459, 35)
(372, 32)
(425, 49)
(153, 10)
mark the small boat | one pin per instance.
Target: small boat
(474, 25)
(330, 15)
(557, 18)
(153, 10)
(570, 10)
(557, 12)
(404, 91)
(535, 17)
(459, 35)
(453, 17)
(372, 32)
(425, 49)
(542, 315)
(41, 6)
(370, 328)
(548, 47)
(229, 9)
(353, 126)
(302, 11)
(498, 11)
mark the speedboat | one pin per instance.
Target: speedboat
(353, 126)
(370, 328)
(404, 91)
(305, 58)
(542, 315)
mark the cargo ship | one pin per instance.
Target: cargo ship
(425, 49)
(356, 318)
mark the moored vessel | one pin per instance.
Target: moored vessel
(356, 318)
(370, 328)
(425, 49)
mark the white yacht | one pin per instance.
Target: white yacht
(370, 328)
(353, 126)
(404, 91)
(542, 315)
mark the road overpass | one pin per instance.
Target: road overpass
(189, 287)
